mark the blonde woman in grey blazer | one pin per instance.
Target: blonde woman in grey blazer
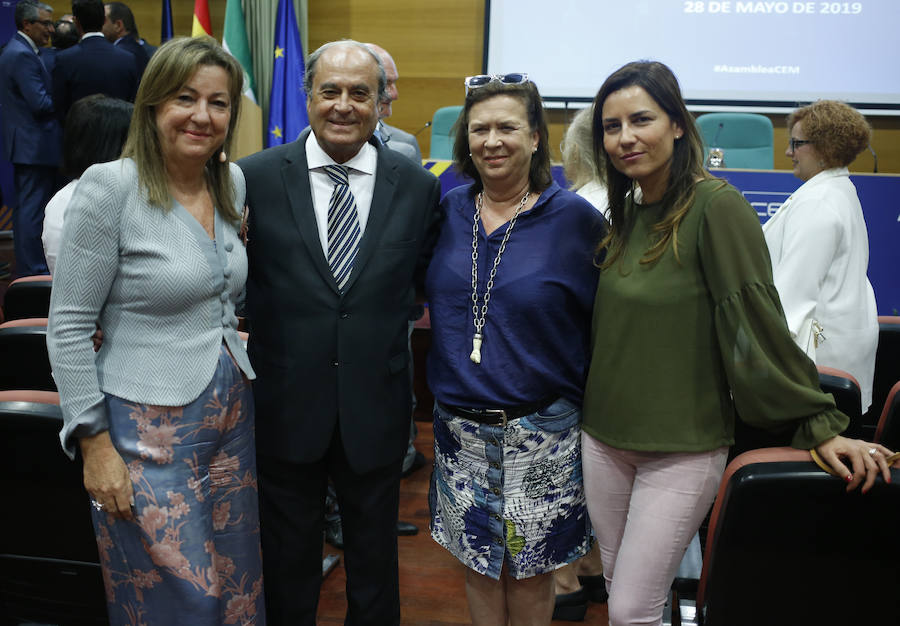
(163, 414)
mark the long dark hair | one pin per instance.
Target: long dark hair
(685, 168)
(539, 175)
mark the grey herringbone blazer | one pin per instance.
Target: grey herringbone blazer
(161, 290)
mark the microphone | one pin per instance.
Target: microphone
(716, 156)
(875, 158)
(427, 124)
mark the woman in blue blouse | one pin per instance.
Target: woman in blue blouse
(510, 289)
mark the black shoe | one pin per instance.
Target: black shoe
(334, 534)
(595, 587)
(571, 607)
(406, 529)
(418, 461)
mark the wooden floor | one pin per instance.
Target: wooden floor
(431, 580)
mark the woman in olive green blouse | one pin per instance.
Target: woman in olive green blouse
(688, 330)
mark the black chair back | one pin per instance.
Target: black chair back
(49, 565)
(27, 297)
(788, 545)
(887, 363)
(25, 363)
(848, 398)
(888, 431)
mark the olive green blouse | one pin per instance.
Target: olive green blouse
(682, 346)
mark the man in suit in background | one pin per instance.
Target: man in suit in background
(395, 139)
(328, 314)
(93, 65)
(32, 140)
(120, 30)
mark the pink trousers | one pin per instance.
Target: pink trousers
(645, 507)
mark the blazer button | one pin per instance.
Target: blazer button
(226, 319)
(229, 246)
(334, 363)
(224, 296)
(227, 272)
(344, 315)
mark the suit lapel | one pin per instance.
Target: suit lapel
(382, 200)
(295, 178)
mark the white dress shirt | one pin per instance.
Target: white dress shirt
(819, 247)
(361, 169)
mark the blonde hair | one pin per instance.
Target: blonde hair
(578, 151)
(169, 69)
(838, 131)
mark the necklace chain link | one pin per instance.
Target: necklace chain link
(478, 320)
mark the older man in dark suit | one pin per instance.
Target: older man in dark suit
(339, 228)
(32, 140)
(93, 65)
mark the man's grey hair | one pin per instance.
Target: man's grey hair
(29, 10)
(313, 59)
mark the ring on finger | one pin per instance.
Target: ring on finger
(97, 506)
(872, 451)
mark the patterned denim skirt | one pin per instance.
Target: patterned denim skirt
(191, 555)
(510, 494)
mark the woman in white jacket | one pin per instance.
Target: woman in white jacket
(819, 245)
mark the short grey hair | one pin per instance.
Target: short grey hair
(313, 59)
(29, 10)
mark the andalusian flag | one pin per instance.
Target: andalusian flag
(202, 24)
(235, 41)
(287, 103)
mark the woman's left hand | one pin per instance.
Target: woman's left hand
(866, 458)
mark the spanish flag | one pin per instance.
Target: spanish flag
(202, 24)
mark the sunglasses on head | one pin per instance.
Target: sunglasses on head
(474, 82)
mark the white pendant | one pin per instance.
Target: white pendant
(476, 348)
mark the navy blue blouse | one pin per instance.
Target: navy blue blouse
(537, 328)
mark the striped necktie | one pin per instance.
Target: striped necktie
(343, 226)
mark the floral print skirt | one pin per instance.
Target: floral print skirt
(191, 555)
(510, 495)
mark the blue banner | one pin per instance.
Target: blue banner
(287, 103)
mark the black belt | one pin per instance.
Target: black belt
(498, 417)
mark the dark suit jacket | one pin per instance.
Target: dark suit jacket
(324, 359)
(141, 54)
(31, 133)
(93, 66)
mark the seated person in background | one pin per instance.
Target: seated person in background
(96, 128)
(579, 163)
(578, 582)
(820, 247)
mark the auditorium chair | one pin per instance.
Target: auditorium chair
(27, 297)
(788, 545)
(848, 398)
(25, 364)
(888, 431)
(441, 132)
(746, 139)
(49, 567)
(887, 363)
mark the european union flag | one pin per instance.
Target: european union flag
(287, 103)
(166, 32)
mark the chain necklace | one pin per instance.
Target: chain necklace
(478, 338)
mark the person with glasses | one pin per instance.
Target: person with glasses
(32, 138)
(687, 333)
(510, 291)
(819, 245)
